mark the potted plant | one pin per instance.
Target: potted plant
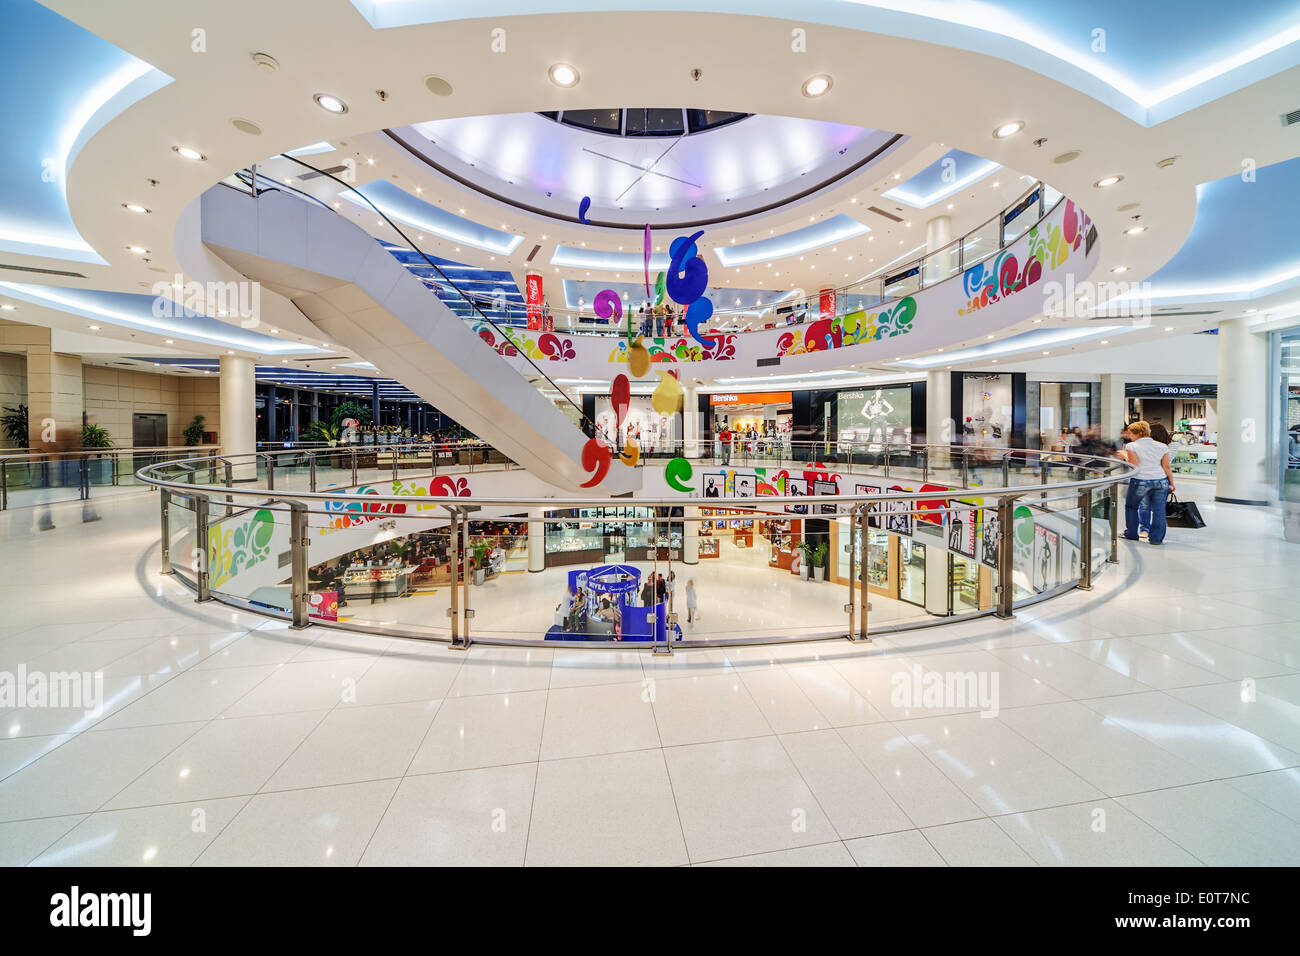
(97, 436)
(806, 552)
(14, 423)
(482, 550)
(819, 560)
(193, 432)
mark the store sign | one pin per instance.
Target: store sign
(533, 300)
(752, 398)
(827, 302)
(1171, 391)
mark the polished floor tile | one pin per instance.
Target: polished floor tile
(909, 848)
(627, 720)
(172, 835)
(483, 731)
(1096, 833)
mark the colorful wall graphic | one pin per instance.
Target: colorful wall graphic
(351, 509)
(540, 347)
(238, 545)
(681, 349)
(1002, 276)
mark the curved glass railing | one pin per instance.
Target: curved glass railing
(410, 542)
(30, 478)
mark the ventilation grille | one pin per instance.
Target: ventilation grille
(331, 170)
(44, 272)
(768, 362)
(536, 249)
(880, 212)
(1290, 119)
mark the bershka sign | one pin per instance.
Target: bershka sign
(77, 909)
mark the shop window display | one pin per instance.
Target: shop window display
(874, 417)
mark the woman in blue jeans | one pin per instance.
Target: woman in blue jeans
(1150, 486)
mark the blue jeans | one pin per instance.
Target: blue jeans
(1146, 495)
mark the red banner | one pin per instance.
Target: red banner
(827, 303)
(533, 300)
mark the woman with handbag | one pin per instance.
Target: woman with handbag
(1150, 486)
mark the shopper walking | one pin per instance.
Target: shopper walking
(690, 601)
(661, 589)
(672, 589)
(1150, 486)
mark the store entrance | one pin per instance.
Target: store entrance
(759, 423)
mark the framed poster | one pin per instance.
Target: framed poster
(827, 488)
(744, 486)
(1069, 561)
(796, 486)
(714, 482)
(962, 521)
(876, 517)
(898, 514)
(989, 539)
(1046, 555)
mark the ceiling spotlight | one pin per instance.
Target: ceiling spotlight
(94, 328)
(135, 207)
(189, 152)
(1119, 269)
(138, 250)
(1134, 230)
(330, 104)
(1105, 341)
(1169, 328)
(563, 75)
(1008, 129)
(816, 85)
(169, 341)
(7, 307)
(1107, 181)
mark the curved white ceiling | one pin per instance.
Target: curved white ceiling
(726, 173)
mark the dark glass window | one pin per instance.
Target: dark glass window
(654, 122)
(603, 121)
(700, 120)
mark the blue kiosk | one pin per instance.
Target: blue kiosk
(610, 609)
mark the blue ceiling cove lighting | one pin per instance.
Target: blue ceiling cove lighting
(1244, 237)
(64, 84)
(136, 311)
(949, 174)
(398, 204)
(828, 231)
(1150, 61)
(311, 150)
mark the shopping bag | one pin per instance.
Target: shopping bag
(1182, 514)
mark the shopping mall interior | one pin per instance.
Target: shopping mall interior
(368, 366)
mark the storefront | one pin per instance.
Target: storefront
(653, 431)
(874, 417)
(989, 408)
(764, 420)
(600, 535)
(1055, 409)
(1190, 414)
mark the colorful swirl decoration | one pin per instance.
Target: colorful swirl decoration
(236, 547)
(1002, 276)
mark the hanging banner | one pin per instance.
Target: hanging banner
(827, 303)
(533, 300)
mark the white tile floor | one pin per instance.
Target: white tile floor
(1153, 721)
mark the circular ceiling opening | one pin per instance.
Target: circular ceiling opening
(645, 121)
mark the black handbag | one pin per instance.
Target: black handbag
(1182, 514)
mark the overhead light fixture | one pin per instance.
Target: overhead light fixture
(1134, 230)
(1008, 129)
(138, 250)
(1119, 269)
(189, 152)
(7, 307)
(94, 328)
(330, 103)
(1107, 181)
(816, 85)
(563, 75)
(136, 208)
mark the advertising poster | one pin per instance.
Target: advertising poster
(898, 514)
(796, 486)
(714, 482)
(827, 488)
(1047, 554)
(744, 486)
(962, 522)
(989, 539)
(533, 300)
(875, 519)
(324, 605)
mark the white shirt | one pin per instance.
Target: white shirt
(1149, 453)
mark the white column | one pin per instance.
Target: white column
(1114, 410)
(691, 418)
(239, 413)
(938, 233)
(536, 541)
(1243, 415)
(939, 426)
(691, 536)
(936, 579)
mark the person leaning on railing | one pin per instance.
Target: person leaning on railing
(1150, 486)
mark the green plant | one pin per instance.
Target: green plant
(806, 553)
(819, 554)
(350, 410)
(194, 431)
(322, 431)
(14, 423)
(482, 551)
(95, 436)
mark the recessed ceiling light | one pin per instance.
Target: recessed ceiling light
(563, 75)
(1037, 321)
(1248, 311)
(1107, 181)
(138, 250)
(7, 307)
(94, 328)
(1134, 230)
(135, 207)
(1119, 269)
(1105, 341)
(1047, 353)
(169, 341)
(330, 103)
(189, 152)
(816, 85)
(1008, 129)
(1169, 328)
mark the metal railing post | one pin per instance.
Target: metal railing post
(164, 508)
(311, 466)
(965, 467)
(298, 543)
(864, 592)
(1006, 469)
(453, 612)
(466, 612)
(200, 503)
(1114, 524)
(925, 463)
(229, 470)
(1006, 557)
(270, 472)
(4, 485)
(354, 466)
(1085, 540)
